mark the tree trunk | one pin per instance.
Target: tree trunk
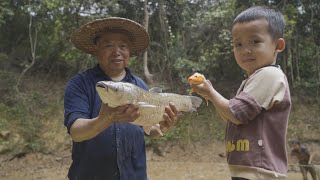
(33, 45)
(290, 60)
(297, 57)
(165, 61)
(147, 74)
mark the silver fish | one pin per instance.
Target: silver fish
(151, 104)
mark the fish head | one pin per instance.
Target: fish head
(115, 93)
(196, 78)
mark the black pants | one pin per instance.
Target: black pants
(239, 178)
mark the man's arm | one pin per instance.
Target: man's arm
(84, 129)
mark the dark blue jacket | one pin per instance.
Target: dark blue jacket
(118, 153)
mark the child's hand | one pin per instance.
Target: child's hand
(196, 79)
(203, 89)
(200, 85)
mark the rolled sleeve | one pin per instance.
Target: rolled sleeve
(71, 118)
(244, 107)
(75, 103)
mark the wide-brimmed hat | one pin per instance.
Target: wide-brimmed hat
(84, 37)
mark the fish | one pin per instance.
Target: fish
(197, 79)
(151, 103)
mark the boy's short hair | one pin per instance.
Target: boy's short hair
(274, 18)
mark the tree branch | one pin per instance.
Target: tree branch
(33, 45)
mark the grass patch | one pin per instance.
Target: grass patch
(25, 117)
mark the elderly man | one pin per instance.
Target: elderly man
(105, 144)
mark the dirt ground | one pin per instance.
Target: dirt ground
(168, 162)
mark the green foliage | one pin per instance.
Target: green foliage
(204, 125)
(136, 63)
(5, 12)
(186, 36)
(187, 67)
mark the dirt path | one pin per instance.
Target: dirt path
(175, 163)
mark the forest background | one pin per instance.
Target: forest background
(187, 36)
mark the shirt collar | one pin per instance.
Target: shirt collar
(99, 73)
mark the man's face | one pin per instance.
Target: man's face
(113, 52)
(253, 46)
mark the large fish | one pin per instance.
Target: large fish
(151, 103)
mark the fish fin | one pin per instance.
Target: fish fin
(157, 126)
(156, 90)
(193, 109)
(207, 102)
(145, 105)
(147, 129)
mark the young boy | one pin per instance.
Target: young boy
(257, 116)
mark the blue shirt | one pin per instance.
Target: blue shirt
(117, 153)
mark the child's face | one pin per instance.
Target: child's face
(253, 46)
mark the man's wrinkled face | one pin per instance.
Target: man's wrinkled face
(113, 52)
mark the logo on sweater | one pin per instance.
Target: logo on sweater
(240, 145)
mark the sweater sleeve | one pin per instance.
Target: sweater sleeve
(244, 107)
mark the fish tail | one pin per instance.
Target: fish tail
(196, 101)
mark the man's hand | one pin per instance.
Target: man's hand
(170, 118)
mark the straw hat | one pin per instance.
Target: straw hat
(84, 37)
